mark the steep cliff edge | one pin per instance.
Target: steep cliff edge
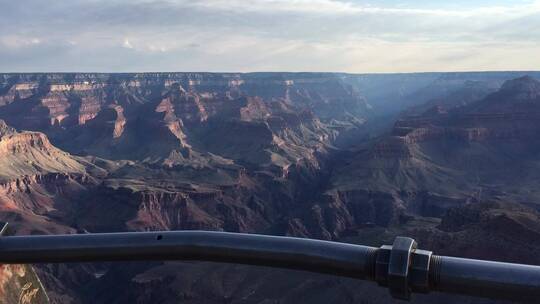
(30, 154)
(36, 179)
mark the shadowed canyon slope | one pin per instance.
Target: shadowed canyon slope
(482, 150)
(448, 158)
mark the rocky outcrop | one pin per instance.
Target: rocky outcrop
(5, 129)
(20, 284)
(393, 147)
(512, 113)
(119, 122)
(31, 153)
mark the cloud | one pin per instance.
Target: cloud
(251, 35)
(127, 44)
(335, 7)
(16, 41)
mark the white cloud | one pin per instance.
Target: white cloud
(17, 41)
(127, 44)
(302, 6)
(333, 7)
(157, 48)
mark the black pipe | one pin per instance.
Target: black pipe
(487, 279)
(285, 252)
(401, 267)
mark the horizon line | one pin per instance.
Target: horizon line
(274, 72)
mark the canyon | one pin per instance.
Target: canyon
(448, 158)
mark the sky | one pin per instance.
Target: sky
(355, 36)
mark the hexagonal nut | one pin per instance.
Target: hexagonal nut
(419, 271)
(398, 268)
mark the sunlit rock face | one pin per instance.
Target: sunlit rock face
(20, 284)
